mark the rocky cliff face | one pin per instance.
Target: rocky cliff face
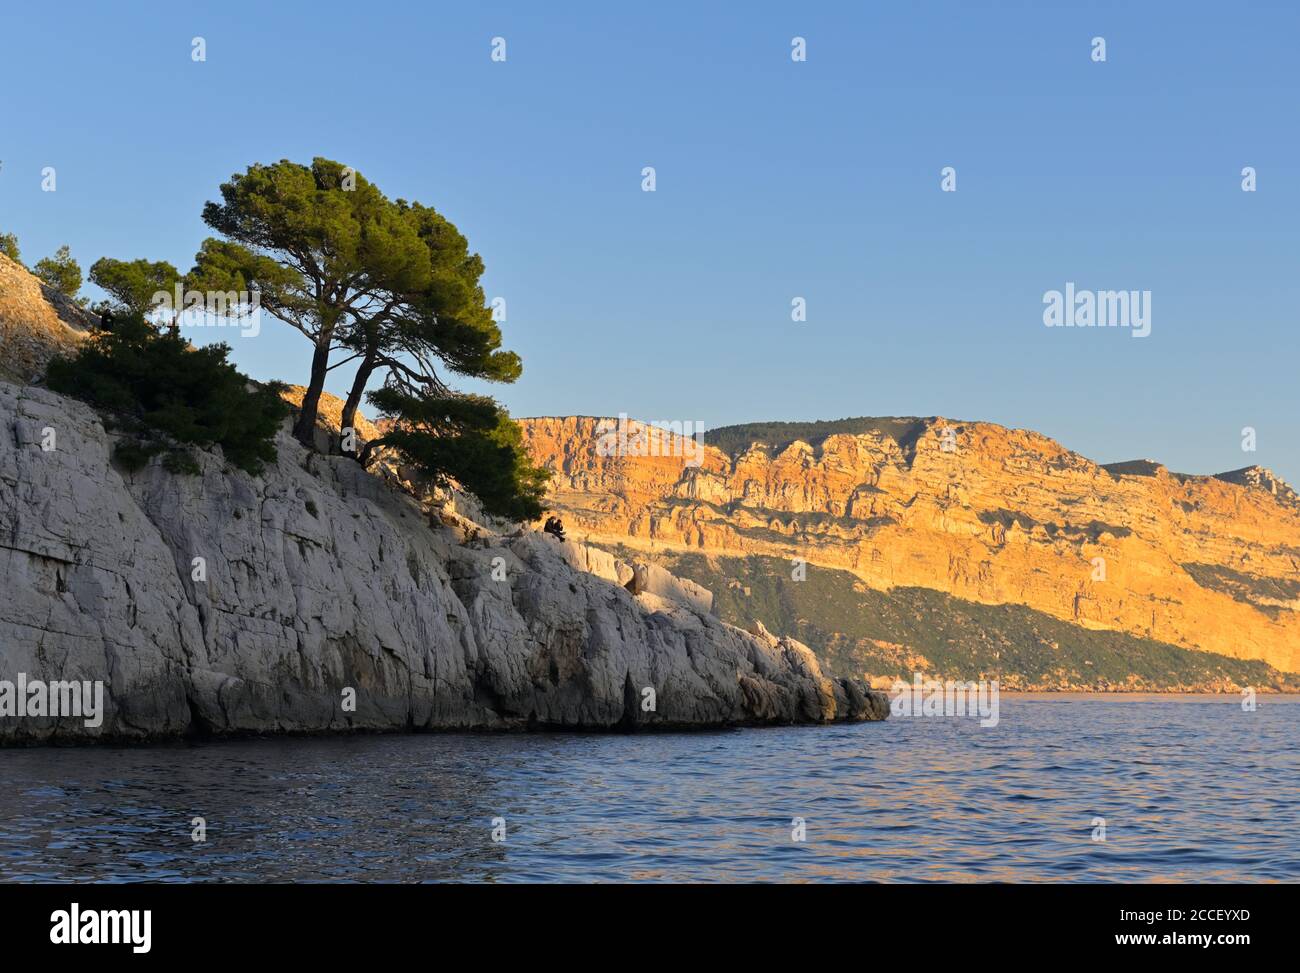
(36, 323)
(224, 602)
(988, 515)
(318, 596)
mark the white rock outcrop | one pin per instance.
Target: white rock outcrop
(229, 603)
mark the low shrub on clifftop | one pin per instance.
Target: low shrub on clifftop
(468, 438)
(168, 394)
(9, 247)
(60, 272)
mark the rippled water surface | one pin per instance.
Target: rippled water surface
(1191, 789)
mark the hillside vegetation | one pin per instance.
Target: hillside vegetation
(859, 631)
(776, 436)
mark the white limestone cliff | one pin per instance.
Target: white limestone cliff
(318, 577)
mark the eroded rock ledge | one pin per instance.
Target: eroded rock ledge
(319, 577)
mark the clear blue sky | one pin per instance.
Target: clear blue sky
(775, 180)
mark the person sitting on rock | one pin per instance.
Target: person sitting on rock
(554, 526)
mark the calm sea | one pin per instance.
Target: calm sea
(1190, 789)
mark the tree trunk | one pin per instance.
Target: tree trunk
(304, 429)
(367, 452)
(364, 371)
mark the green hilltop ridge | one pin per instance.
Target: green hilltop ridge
(906, 430)
(858, 631)
(776, 436)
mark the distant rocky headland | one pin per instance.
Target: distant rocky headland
(957, 549)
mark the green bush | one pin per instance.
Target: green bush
(9, 247)
(166, 394)
(467, 438)
(61, 272)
